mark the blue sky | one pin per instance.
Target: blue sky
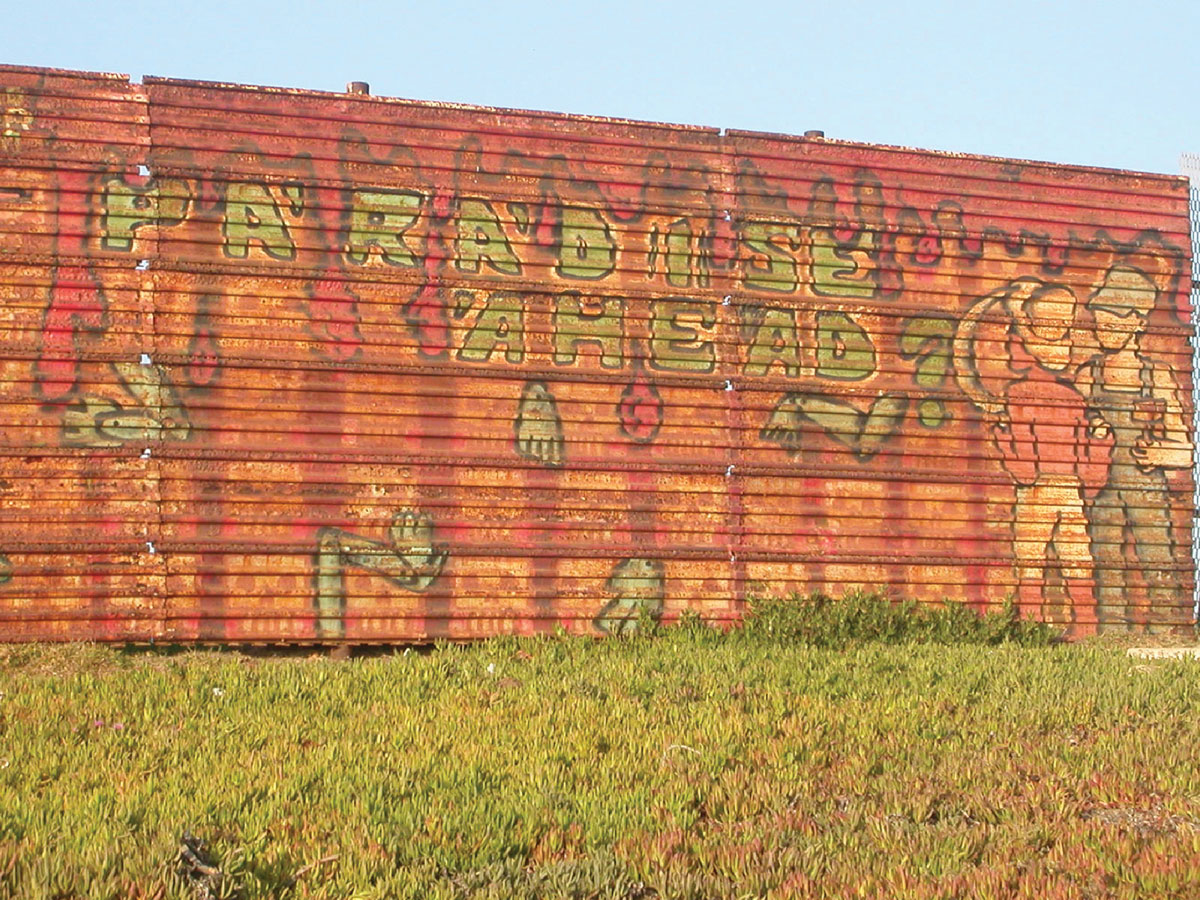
(1091, 83)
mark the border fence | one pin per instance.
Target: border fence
(286, 365)
(1189, 164)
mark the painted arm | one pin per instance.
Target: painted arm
(1094, 438)
(1014, 440)
(409, 559)
(1094, 442)
(1174, 449)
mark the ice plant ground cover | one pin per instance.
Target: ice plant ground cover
(856, 749)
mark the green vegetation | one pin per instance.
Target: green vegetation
(801, 756)
(821, 621)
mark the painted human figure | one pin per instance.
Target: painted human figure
(1139, 399)
(1055, 451)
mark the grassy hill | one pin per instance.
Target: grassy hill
(792, 759)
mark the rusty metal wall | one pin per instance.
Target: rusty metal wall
(1189, 165)
(286, 365)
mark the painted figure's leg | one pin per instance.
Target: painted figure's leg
(1107, 528)
(1074, 551)
(1150, 529)
(1033, 526)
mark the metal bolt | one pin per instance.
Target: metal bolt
(358, 87)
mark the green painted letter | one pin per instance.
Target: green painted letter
(480, 238)
(776, 340)
(675, 328)
(501, 321)
(844, 351)
(587, 249)
(771, 265)
(251, 214)
(127, 207)
(379, 219)
(841, 270)
(574, 326)
(678, 241)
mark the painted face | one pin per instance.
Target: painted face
(1115, 327)
(1121, 306)
(1046, 329)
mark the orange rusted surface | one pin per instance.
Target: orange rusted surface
(285, 365)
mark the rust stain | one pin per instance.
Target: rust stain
(284, 365)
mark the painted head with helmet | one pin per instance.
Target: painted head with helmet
(1121, 305)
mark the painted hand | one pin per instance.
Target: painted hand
(539, 434)
(411, 534)
(1162, 454)
(863, 432)
(1098, 428)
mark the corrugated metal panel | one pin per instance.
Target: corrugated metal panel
(1190, 166)
(284, 365)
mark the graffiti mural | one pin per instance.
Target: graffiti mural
(244, 328)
